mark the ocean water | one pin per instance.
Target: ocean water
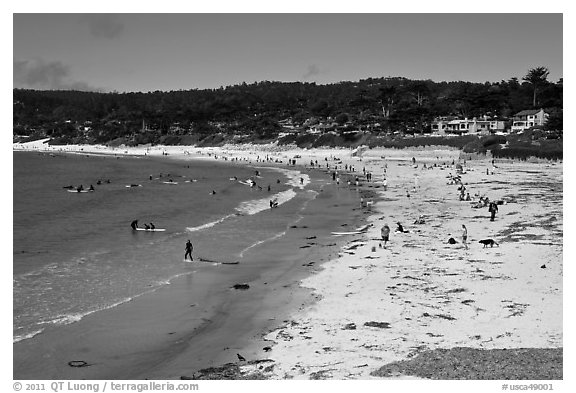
(75, 253)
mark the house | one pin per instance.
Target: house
(526, 119)
(440, 125)
(484, 125)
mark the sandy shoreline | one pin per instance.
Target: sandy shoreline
(365, 308)
(157, 335)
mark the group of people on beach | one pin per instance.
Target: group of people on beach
(464, 195)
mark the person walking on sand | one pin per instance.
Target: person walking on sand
(492, 208)
(464, 236)
(189, 249)
(385, 233)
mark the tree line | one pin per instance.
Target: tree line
(381, 105)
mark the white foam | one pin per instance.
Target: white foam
(26, 336)
(294, 177)
(66, 319)
(257, 205)
(276, 236)
(209, 224)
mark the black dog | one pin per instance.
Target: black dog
(488, 242)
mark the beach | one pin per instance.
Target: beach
(343, 307)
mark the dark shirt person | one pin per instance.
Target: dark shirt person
(492, 208)
(189, 249)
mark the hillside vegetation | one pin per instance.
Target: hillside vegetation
(375, 112)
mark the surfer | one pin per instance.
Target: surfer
(152, 226)
(189, 249)
(134, 224)
(146, 226)
(80, 188)
(91, 188)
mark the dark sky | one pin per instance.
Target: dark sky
(146, 52)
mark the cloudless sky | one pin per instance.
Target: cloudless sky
(146, 52)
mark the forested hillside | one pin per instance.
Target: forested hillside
(261, 111)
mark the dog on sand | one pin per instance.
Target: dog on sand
(488, 242)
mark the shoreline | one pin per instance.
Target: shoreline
(485, 299)
(174, 337)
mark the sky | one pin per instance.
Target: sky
(153, 51)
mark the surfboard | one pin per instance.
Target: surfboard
(360, 230)
(170, 182)
(133, 185)
(151, 230)
(205, 260)
(77, 192)
(346, 233)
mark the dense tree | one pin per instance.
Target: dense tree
(537, 77)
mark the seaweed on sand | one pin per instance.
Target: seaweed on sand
(477, 364)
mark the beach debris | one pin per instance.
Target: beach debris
(282, 334)
(543, 267)
(452, 241)
(241, 286)
(267, 349)
(353, 246)
(78, 363)
(456, 290)
(251, 370)
(322, 374)
(517, 309)
(349, 326)
(381, 325)
(447, 364)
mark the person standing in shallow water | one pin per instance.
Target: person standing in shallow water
(189, 249)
